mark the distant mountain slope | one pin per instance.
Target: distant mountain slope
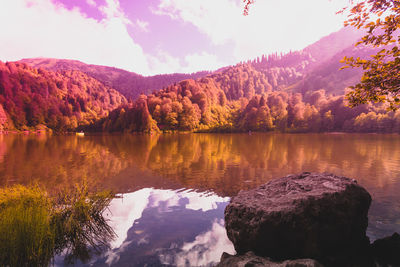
(320, 59)
(281, 71)
(328, 76)
(334, 43)
(239, 99)
(297, 92)
(130, 84)
(59, 100)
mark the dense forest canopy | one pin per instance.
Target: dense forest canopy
(241, 99)
(130, 84)
(58, 100)
(301, 91)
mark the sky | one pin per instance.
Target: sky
(162, 36)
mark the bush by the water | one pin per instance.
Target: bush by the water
(35, 227)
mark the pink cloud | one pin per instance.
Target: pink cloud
(44, 29)
(272, 26)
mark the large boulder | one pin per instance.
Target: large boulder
(387, 250)
(251, 260)
(310, 215)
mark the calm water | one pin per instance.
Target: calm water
(174, 188)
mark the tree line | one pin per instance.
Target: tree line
(62, 101)
(240, 99)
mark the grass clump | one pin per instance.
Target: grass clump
(34, 227)
(26, 234)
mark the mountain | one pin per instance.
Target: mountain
(240, 99)
(321, 58)
(65, 100)
(130, 84)
(334, 43)
(327, 75)
(281, 70)
(300, 91)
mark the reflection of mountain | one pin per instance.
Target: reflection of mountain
(164, 227)
(221, 163)
(56, 161)
(227, 163)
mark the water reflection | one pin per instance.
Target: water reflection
(218, 163)
(222, 163)
(166, 227)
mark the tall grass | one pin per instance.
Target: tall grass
(79, 223)
(34, 227)
(26, 234)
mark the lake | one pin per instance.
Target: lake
(173, 188)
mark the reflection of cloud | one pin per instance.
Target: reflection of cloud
(129, 208)
(168, 199)
(113, 256)
(205, 249)
(203, 201)
(125, 210)
(195, 200)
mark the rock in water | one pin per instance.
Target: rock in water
(387, 250)
(310, 215)
(251, 260)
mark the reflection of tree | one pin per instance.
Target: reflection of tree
(228, 163)
(57, 161)
(224, 163)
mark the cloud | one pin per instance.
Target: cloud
(202, 61)
(91, 3)
(112, 9)
(143, 25)
(41, 28)
(271, 26)
(165, 63)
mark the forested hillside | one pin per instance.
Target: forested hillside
(130, 84)
(316, 66)
(241, 99)
(301, 91)
(58, 100)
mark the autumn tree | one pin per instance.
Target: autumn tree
(380, 82)
(381, 78)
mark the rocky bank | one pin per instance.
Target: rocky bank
(320, 218)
